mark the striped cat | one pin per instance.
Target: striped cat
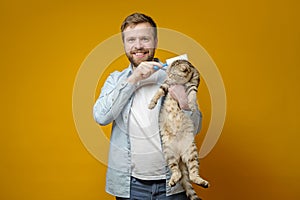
(177, 129)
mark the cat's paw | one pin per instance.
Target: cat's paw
(196, 198)
(205, 184)
(176, 176)
(151, 105)
(201, 182)
(193, 107)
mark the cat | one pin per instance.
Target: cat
(177, 129)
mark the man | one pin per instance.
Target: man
(136, 167)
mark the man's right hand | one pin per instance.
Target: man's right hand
(143, 71)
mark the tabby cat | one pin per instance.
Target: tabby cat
(177, 129)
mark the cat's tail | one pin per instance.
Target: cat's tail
(186, 183)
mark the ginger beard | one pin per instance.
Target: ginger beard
(140, 55)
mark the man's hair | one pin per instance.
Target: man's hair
(138, 18)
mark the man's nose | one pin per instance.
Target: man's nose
(138, 44)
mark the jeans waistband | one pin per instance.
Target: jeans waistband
(149, 182)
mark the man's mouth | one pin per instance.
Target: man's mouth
(140, 54)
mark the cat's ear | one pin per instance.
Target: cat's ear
(196, 77)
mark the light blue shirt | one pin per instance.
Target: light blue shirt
(113, 106)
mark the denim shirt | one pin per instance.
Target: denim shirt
(113, 106)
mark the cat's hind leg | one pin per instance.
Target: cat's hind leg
(190, 158)
(172, 159)
(186, 184)
(176, 173)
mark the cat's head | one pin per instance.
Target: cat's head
(181, 72)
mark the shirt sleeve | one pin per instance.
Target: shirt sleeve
(114, 95)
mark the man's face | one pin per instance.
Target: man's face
(139, 43)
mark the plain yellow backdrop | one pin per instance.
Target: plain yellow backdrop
(255, 45)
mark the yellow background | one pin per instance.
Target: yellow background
(255, 45)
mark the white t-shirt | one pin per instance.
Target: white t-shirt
(147, 159)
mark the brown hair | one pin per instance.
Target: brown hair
(137, 18)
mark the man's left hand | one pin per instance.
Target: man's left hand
(179, 94)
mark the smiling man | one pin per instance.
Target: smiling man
(139, 34)
(136, 167)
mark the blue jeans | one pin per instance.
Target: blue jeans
(150, 190)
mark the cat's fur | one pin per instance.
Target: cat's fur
(177, 129)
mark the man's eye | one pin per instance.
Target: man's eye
(145, 39)
(130, 40)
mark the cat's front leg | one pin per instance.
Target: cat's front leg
(192, 100)
(154, 100)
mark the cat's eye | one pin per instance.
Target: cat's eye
(184, 68)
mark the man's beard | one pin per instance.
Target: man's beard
(147, 53)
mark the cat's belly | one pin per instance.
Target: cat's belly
(173, 122)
